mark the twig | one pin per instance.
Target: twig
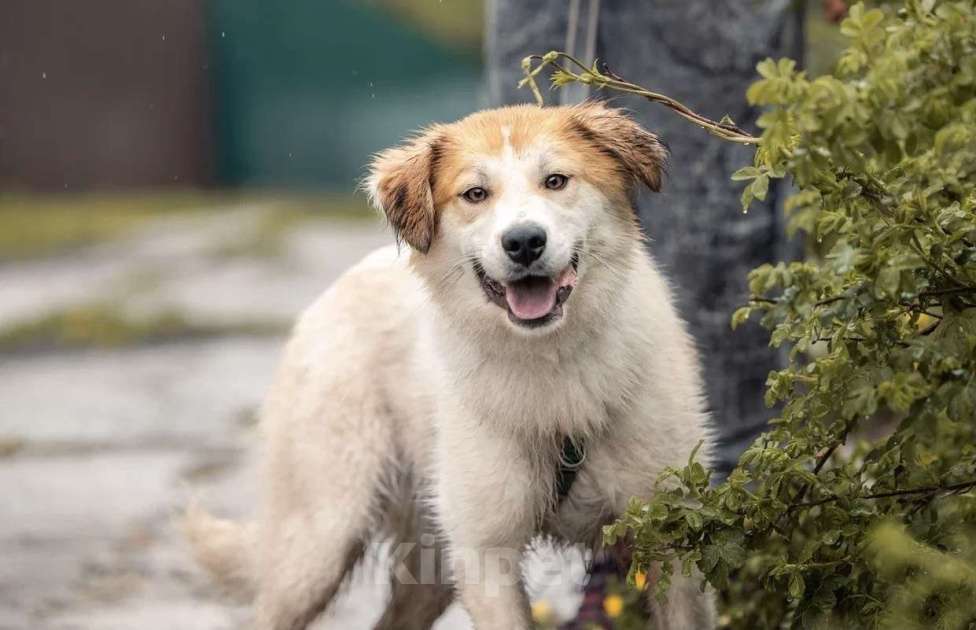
(824, 456)
(924, 294)
(928, 330)
(830, 339)
(952, 291)
(606, 79)
(953, 488)
(917, 246)
(830, 300)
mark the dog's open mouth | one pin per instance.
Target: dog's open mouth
(531, 301)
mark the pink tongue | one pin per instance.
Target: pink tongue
(531, 298)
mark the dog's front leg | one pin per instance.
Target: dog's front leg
(487, 500)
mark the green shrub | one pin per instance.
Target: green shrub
(856, 509)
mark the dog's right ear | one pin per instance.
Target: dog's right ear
(400, 183)
(637, 151)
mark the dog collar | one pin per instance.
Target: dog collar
(571, 459)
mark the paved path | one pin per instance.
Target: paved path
(99, 449)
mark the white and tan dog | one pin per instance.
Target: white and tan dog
(433, 389)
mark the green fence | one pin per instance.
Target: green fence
(307, 90)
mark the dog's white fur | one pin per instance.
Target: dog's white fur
(407, 402)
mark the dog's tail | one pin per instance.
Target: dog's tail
(224, 548)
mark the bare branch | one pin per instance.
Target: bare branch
(604, 78)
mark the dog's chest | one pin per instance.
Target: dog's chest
(550, 397)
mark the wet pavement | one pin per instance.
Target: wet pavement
(100, 448)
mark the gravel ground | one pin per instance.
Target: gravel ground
(99, 449)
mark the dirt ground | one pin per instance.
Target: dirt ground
(101, 447)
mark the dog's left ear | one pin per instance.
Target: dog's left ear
(400, 184)
(638, 151)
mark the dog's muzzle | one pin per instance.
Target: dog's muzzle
(533, 300)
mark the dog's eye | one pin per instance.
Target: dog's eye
(556, 181)
(475, 195)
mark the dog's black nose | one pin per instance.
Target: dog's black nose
(524, 243)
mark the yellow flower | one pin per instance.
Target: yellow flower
(542, 612)
(640, 580)
(614, 605)
(924, 321)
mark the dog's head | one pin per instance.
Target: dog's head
(521, 200)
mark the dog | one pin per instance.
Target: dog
(437, 387)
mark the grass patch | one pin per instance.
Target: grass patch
(319, 206)
(105, 325)
(51, 224)
(267, 237)
(42, 225)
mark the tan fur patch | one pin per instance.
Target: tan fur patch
(616, 135)
(401, 180)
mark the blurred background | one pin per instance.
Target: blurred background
(177, 180)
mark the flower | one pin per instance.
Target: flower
(640, 580)
(542, 612)
(613, 605)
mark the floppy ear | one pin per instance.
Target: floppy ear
(400, 184)
(638, 152)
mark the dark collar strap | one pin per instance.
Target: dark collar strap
(571, 459)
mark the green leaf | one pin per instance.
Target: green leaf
(741, 316)
(746, 198)
(797, 586)
(746, 172)
(760, 186)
